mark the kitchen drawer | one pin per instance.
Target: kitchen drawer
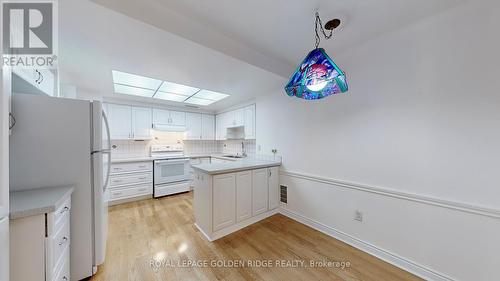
(63, 271)
(130, 192)
(57, 245)
(130, 179)
(59, 217)
(120, 168)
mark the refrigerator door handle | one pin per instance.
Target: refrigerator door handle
(106, 182)
(105, 118)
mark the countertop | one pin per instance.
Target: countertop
(149, 158)
(38, 201)
(235, 166)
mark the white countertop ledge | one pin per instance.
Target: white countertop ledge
(236, 166)
(149, 158)
(37, 201)
(130, 160)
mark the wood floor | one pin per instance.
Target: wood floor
(156, 240)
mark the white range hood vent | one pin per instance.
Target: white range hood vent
(169, 128)
(235, 133)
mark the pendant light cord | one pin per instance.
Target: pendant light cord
(318, 38)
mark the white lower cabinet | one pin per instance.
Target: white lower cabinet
(130, 181)
(260, 191)
(224, 192)
(228, 202)
(243, 195)
(40, 246)
(274, 188)
(4, 244)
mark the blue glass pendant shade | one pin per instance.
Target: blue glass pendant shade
(316, 77)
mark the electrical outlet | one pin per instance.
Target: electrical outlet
(358, 216)
(274, 150)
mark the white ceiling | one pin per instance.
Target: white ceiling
(242, 48)
(276, 35)
(94, 40)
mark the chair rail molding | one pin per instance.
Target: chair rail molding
(458, 206)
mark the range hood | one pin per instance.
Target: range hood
(169, 128)
(235, 133)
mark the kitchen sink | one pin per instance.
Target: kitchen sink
(234, 156)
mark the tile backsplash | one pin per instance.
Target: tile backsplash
(135, 149)
(235, 147)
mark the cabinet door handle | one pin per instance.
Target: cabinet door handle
(142, 166)
(63, 241)
(65, 209)
(142, 178)
(117, 169)
(117, 181)
(41, 78)
(142, 189)
(269, 172)
(117, 193)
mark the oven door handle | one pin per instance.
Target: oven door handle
(173, 161)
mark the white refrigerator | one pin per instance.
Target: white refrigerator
(4, 175)
(58, 141)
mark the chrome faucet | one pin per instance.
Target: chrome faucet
(243, 151)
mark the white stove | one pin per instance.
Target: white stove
(167, 151)
(171, 169)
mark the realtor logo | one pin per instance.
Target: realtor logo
(29, 33)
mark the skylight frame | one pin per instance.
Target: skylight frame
(142, 86)
(199, 101)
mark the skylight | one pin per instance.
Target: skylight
(169, 87)
(198, 101)
(135, 80)
(136, 85)
(209, 95)
(133, 91)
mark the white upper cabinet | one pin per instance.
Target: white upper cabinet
(220, 126)
(161, 116)
(178, 118)
(207, 127)
(200, 126)
(120, 121)
(169, 117)
(141, 123)
(128, 122)
(249, 117)
(236, 118)
(193, 126)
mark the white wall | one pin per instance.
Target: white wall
(421, 117)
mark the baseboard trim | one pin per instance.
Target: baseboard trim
(457, 206)
(405, 264)
(203, 232)
(235, 227)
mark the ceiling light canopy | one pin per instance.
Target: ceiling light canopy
(318, 76)
(136, 85)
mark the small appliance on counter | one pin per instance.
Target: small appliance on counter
(171, 170)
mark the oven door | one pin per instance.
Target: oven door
(172, 170)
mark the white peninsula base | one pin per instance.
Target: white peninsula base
(225, 203)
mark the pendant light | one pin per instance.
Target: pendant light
(318, 76)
